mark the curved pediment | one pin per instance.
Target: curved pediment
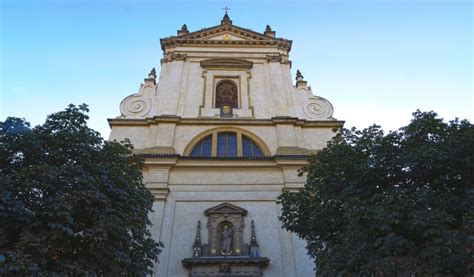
(224, 63)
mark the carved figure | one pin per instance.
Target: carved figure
(226, 240)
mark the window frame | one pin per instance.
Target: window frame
(239, 140)
(226, 79)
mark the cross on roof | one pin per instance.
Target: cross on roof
(226, 9)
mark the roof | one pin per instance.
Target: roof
(207, 37)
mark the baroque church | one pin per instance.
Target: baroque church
(223, 131)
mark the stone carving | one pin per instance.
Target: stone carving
(274, 58)
(253, 242)
(139, 104)
(318, 108)
(300, 82)
(226, 63)
(226, 243)
(299, 76)
(203, 37)
(183, 31)
(169, 57)
(225, 252)
(197, 247)
(279, 58)
(151, 80)
(135, 105)
(226, 18)
(269, 32)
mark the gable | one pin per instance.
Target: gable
(225, 209)
(225, 34)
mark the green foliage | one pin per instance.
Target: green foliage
(71, 202)
(389, 205)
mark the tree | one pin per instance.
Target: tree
(382, 205)
(71, 202)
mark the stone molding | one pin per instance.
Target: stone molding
(239, 133)
(200, 38)
(278, 58)
(155, 150)
(318, 108)
(220, 121)
(226, 63)
(170, 57)
(226, 253)
(136, 105)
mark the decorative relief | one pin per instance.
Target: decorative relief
(274, 58)
(318, 108)
(279, 58)
(169, 57)
(201, 37)
(226, 63)
(135, 106)
(138, 105)
(225, 252)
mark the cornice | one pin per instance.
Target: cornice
(232, 63)
(303, 123)
(198, 38)
(178, 161)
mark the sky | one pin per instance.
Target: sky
(376, 61)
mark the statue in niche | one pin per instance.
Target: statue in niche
(226, 242)
(225, 254)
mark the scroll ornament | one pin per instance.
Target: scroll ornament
(135, 106)
(318, 108)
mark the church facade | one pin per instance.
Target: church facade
(223, 131)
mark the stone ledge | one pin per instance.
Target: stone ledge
(329, 123)
(158, 150)
(294, 151)
(260, 261)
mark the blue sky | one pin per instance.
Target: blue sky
(377, 61)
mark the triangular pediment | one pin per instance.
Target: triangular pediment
(225, 34)
(231, 31)
(225, 209)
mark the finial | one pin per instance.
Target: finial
(197, 246)
(253, 241)
(152, 73)
(299, 76)
(151, 80)
(300, 82)
(183, 31)
(198, 231)
(226, 18)
(269, 32)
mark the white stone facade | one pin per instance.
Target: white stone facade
(168, 116)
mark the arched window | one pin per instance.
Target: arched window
(249, 148)
(203, 148)
(226, 94)
(226, 144)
